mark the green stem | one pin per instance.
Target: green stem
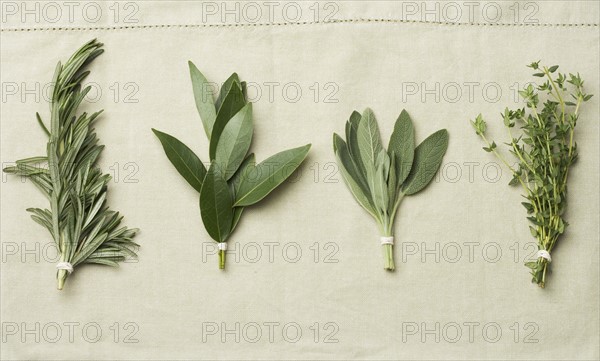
(557, 90)
(61, 277)
(542, 280)
(388, 249)
(221, 259)
(499, 156)
(388, 257)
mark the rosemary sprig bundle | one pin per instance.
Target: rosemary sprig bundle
(544, 150)
(233, 180)
(84, 229)
(380, 179)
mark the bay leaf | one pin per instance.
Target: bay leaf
(203, 98)
(183, 158)
(234, 142)
(234, 185)
(233, 102)
(269, 174)
(233, 79)
(216, 205)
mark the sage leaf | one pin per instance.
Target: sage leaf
(269, 174)
(373, 174)
(183, 158)
(428, 158)
(380, 188)
(204, 99)
(234, 101)
(368, 139)
(351, 136)
(349, 175)
(392, 184)
(351, 167)
(216, 205)
(234, 141)
(355, 189)
(402, 146)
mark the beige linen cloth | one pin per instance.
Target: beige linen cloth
(304, 277)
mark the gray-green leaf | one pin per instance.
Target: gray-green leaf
(402, 146)
(216, 205)
(183, 158)
(269, 174)
(341, 149)
(234, 142)
(380, 188)
(358, 193)
(351, 138)
(392, 186)
(368, 139)
(204, 99)
(427, 160)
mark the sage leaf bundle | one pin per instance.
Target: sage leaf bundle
(233, 180)
(379, 178)
(84, 229)
(544, 150)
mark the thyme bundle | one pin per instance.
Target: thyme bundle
(233, 180)
(380, 179)
(545, 150)
(84, 229)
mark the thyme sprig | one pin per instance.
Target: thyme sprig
(544, 150)
(84, 229)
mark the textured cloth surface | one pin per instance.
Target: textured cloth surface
(304, 277)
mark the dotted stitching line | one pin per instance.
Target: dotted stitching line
(241, 25)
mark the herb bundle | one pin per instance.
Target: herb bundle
(233, 180)
(544, 151)
(380, 179)
(84, 229)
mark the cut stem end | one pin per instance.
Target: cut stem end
(61, 277)
(388, 257)
(221, 259)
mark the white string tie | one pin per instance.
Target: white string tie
(66, 266)
(387, 240)
(222, 246)
(544, 254)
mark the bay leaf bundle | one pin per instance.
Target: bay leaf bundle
(233, 180)
(379, 179)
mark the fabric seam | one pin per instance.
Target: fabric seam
(304, 23)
